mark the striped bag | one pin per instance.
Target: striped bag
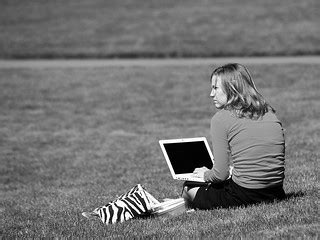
(135, 203)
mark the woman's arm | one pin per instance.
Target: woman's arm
(219, 135)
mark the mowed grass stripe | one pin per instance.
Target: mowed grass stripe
(133, 29)
(89, 63)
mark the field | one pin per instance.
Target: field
(73, 139)
(144, 28)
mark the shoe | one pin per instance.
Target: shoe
(190, 210)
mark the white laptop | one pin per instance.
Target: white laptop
(184, 155)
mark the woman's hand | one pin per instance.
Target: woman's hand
(199, 172)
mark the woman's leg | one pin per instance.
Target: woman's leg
(210, 196)
(227, 194)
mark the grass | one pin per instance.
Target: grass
(95, 28)
(73, 139)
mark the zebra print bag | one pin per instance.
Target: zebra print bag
(135, 203)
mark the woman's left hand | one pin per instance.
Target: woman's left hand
(199, 172)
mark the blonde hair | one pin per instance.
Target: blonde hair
(243, 97)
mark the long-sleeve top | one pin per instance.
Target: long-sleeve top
(255, 148)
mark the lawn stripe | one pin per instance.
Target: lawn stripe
(64, 63)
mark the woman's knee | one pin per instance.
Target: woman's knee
(189, 193)
(185, 194)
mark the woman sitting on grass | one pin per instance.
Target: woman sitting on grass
(247, 130)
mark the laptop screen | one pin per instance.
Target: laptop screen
(186, 156)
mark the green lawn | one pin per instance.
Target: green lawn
(73, 139)
(166, 28)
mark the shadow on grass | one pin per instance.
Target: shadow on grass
(294, 195)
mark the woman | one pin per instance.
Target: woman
(245, 134)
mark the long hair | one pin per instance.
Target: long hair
(243, 97)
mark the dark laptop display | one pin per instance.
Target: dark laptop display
(186, 156)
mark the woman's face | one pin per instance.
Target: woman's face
(218, 96)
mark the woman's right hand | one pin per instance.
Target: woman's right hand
(199, 172)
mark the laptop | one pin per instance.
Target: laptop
(184, 155)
